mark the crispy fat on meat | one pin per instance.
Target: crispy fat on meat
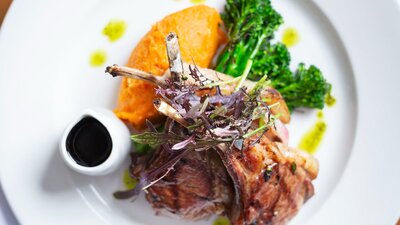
(270, 184)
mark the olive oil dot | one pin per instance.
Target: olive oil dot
(98, 58)
(114, 30)
(330, 100)
(197, 1)
(290, 37)
(320, 114)
(128, 181)
(221, 220)
(312, 139)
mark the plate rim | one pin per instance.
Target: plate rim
(352, 48)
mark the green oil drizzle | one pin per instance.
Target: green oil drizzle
(98, 58)
(330, 100)
(290, 37)
(320, 114)
(197, 1)
(114, 30)
(129, 182)
(312, 139)
(221, 220)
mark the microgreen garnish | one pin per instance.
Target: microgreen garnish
(210, 116)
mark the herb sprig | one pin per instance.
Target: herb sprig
(211, 117)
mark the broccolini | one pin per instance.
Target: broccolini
(251, 25)
(307, 88)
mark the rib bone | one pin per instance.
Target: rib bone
(124, 71)
(169, 111)
(174, 57)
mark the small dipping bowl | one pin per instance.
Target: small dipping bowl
(95, 143)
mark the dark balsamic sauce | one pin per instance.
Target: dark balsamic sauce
(89, 142)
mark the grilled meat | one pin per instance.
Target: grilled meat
(198, 186)
(265, 183)
(271, 182)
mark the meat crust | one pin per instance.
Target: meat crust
(263, 184)
(197, 188)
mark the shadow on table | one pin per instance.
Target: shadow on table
(5, 210)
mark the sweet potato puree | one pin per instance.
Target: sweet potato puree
(199, 37)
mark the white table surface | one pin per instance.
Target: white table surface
(7, 217)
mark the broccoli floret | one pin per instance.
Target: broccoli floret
(307, 88)
(249, 24)
(274, 61)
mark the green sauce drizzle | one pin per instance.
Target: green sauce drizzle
(221, 220)
(312, 139)
(290, 37)
(98, 58)
(330, 100)
(197, 1)
(114, 30)
(320, 114)
(129, 182)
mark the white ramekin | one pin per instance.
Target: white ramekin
(120, 137)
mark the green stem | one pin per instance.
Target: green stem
(249, 63)
(263, 127)
(244, 75)
(260, 40)
(234, 80)
(274, 105)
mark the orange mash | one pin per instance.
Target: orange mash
(199, 37)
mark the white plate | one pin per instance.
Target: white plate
(45, 80)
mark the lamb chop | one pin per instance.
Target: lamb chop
(198, 187)
(224, 150)
(271, 181)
